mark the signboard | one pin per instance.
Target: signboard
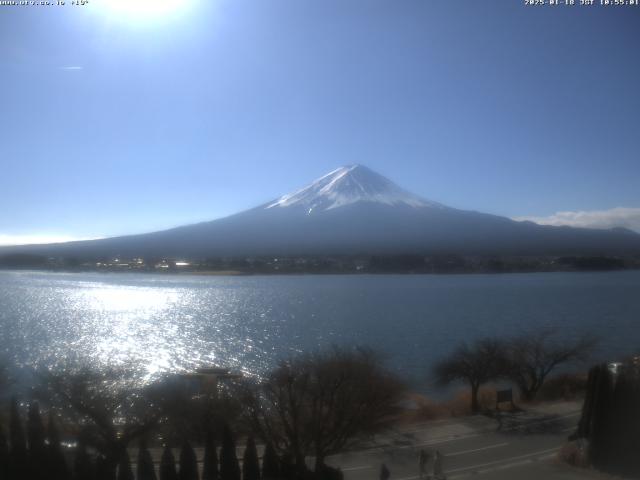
(504, 396)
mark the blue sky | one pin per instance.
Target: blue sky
(116, 122)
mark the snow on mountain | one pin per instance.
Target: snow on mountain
(347, 185)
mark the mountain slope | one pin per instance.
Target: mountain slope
(353, 210)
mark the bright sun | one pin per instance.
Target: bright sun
(145, 9)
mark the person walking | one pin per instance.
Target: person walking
(422, 463)
(438, 473)
(384, 472)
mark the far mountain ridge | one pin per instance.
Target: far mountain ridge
(352, 210)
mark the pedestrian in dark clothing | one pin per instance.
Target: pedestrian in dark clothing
(438, 473)
(384, 472)
(422, 463)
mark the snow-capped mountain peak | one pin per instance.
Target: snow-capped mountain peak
(347, 185)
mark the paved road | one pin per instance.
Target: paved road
(525, 447)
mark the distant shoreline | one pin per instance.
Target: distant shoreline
(239, 273)
(356, 264)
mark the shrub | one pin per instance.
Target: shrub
(270, 464)
(229, 467)
(250, 464)
(210, 467)
(124, 467)
(168, 465)
(145, 467)
(188, 463)
(563, 387)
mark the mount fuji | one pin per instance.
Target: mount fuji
(352, 210)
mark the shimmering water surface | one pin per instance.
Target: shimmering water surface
(167, 323)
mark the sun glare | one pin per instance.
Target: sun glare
(145, 9)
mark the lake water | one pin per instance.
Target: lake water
(167, 323)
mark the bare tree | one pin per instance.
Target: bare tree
(476, 364)
(189, 415)
(352, 397)
(182, 413)
(110, 411)
(278, 409)
(324, 403)
(532, 357)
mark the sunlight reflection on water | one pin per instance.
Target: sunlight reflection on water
(158, 323)
(59, 321)
(124, 327)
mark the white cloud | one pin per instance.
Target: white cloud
(7, 239)
(615, 217)
(72, 67)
